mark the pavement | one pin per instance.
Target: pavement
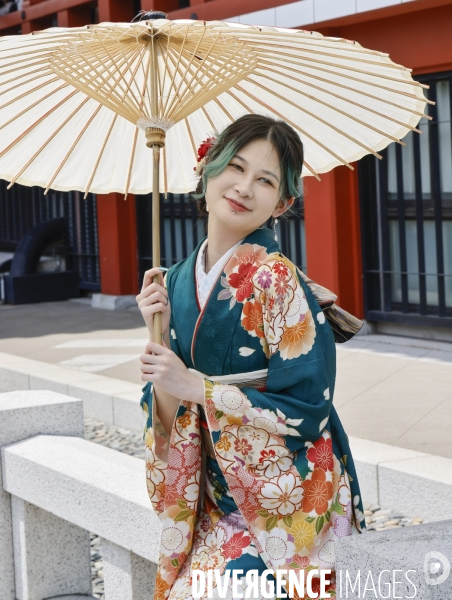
(389, 389)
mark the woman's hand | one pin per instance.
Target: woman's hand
(153, 298)
(166, 370)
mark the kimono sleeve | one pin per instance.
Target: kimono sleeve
(295, 405)
(156, 446)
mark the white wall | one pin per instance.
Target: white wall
(307, 12)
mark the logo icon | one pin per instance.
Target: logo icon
(436, 568)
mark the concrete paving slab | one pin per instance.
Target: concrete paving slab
(104, 343)
(405, 341)
(129, 371)
(436, 424)
(93, 363)
(387, 418)
(362, 372)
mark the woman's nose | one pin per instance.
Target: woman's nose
(244, 189)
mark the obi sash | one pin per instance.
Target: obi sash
(252, 379)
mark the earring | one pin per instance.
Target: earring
(275, 221)
(207, 207)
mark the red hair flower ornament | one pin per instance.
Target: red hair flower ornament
(203, 149)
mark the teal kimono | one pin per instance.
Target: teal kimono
(262, 477)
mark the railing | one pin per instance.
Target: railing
(58, 487)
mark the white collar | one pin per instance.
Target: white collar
(206, 281)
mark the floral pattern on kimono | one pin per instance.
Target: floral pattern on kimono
(282, 487)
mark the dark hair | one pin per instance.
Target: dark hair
(242, 132)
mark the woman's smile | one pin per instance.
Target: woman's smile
(237, 206)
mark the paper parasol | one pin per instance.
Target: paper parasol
(79, 106)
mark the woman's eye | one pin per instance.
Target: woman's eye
(236, 166)
(266, 181)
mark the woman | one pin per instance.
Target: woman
(248, 465)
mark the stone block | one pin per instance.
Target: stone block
(127, 576)
(7, 587)
(11, 380)
(126, 409)
(51, 556)
(24, 414)
(418, 486)
(55, 377)
(417, 557)
(96, 488)
(110, 400)
(96, 397)
(104, 398)
(12, 377)
(110, 302)
(368, 455)
(71, 597)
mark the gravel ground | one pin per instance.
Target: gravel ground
(131, 442)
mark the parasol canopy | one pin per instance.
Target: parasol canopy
(77, 104)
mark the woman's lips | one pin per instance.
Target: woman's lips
(237, 207)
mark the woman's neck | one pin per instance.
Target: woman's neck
(219, 241)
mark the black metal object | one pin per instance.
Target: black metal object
(406, 208)
(23, 284)
(22, 208)
(182, 228)
(34, 243)
(41, 287)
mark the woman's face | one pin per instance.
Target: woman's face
(246, 193)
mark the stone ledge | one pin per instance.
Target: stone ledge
(401, 550)
(109, 302)
(78, 597)
(96, 488)
(385, 472)
(416, 483)
(114, 401)
(25, 413)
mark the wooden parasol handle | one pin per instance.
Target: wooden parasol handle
(156, 233)
(155, 140)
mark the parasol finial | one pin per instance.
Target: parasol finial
(150, 15)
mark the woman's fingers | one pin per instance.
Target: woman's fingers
(149, 276)
(155, 354)
(152, 299)
(151, 289)
(153, 348)
(155, 361)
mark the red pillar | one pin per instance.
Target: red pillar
(116, 219)
(115, 11)
(163, 5)
(77, 16)
(117, 244)
(333, 236)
